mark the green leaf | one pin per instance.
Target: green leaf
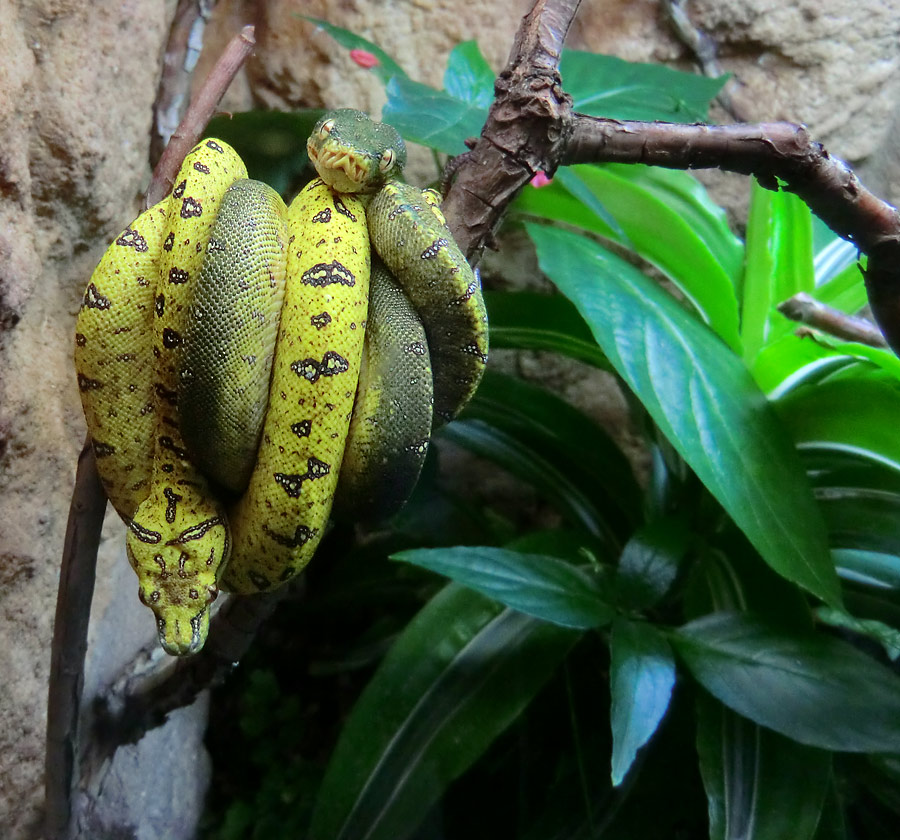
(604, 86)
(458, 675)
(468, 76)
(532, 321)
(650, 561)
(642, 674)
(386, 69)
(791, 361)
(537, 584)
(703, 400)
(812, 688)
(888, 637)
(778, 264)
(431, 117)
(848, 414)
(759, 784)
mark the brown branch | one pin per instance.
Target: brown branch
(806, 310)
(70, 627)
(198, 114)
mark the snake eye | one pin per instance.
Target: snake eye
(326, 128)
(387, 158)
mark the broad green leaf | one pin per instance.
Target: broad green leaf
(759, 784)
(833, 260)
(849, 414)
(537, 584)
(809, 687)
(642, 674)
(791, 361)
(778, 264)
(845, 291)
(468, 76)
(574, 443)
(604, 86)
(870, 568)
(431, 117)
(532, 321)
(459, 674)
(703, 400)
(385, 69)
(650, 561)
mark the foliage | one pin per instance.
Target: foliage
(701, 646)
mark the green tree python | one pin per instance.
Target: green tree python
(245, 366)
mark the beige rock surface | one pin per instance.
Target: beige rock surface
(77, 82)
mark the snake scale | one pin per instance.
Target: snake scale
(245, 366)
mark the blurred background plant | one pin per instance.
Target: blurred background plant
(702, 641)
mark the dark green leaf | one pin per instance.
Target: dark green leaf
(760, 785)
(604, 86)
(386, 69)
(650, 562)
(642, 674)
(809, 687)
(459, 674)
(468, 76)
(532, 321)
(703, 400)
(888, 637)
(539, 585)
(431, 117)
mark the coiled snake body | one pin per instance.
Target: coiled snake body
(243, 366)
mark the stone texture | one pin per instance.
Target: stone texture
(77, 82)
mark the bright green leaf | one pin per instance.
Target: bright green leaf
(468, 76)
(537, 584)
(809, 687)
(703, 400)
(642, 674)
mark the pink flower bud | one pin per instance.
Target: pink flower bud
(364, 58)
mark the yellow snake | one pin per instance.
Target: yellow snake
(240, 373)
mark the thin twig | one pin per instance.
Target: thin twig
(198, 114)
(807, 310)
(73, 610)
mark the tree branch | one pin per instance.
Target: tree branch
(807, 310)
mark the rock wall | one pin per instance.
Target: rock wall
(77, 83)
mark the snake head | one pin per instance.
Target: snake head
(177, 569)
(354, 154)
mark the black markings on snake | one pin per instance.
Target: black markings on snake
(171, 397)
(475, 350)
(215, 245)
(323, 216)
(86, 384)
(434, 248)
(260, 581)
(126, 357)
(145, 535)
(292, 483)
(470, 290)
(103, 450)
(324, 274)
(191, 208)
(172, 500)
(132, 239)
(211, 144)
(201, 167)
(320, 321)
(93, 299)
(178, 275)
(331, 365)
(165, 442)
(80, 339)
(417, 348)
(171, 339)
(302, 429)
(193, 594)
(342, 209)
(170, 241)
(301, 536)
(160, 305)
(179, 190)
(195, 532)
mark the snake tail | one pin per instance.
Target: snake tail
(392, 416)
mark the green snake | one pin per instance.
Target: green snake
(245, 366)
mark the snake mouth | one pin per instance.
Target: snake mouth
(339, 167)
